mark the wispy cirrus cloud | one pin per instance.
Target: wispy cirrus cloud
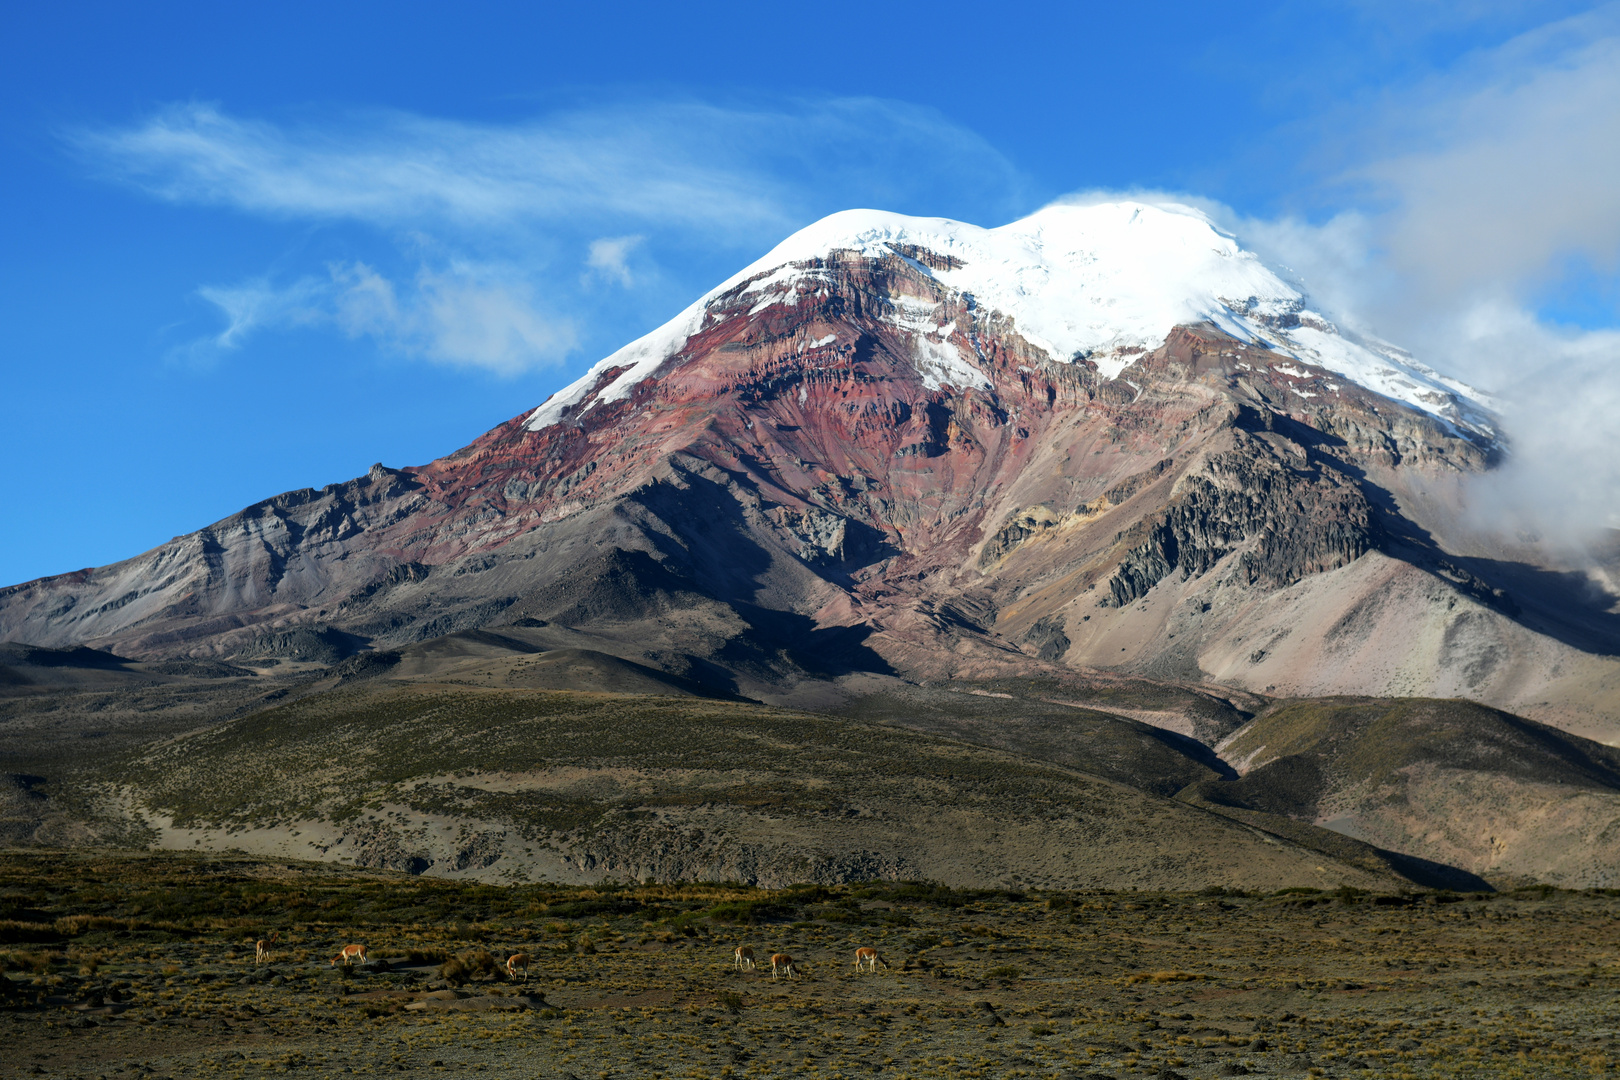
(478, 316)
(464, 315)
(609, 257)
(497, 216)
(256, 304)
(247, 308)
(398, 169)
(690, 164)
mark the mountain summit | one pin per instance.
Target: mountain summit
(1102, 283)
(1101, 440)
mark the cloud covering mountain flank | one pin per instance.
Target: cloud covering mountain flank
(1484, 199)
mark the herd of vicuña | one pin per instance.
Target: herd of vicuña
(866, 959)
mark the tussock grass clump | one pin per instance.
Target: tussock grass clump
(1164, 977)
(420, 955)
(481, 963)
(74, 925)
(36, 962)
(474, 964)
(19, 932)
(89, 960)
(587, 908)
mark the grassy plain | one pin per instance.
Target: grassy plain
(144, 966)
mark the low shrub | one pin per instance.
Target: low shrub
(750, 912)
(841, 916)
(580, 909)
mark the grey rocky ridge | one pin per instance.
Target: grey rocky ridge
(1096, 490)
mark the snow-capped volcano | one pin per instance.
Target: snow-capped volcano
(1104, 282)
(1102, 437)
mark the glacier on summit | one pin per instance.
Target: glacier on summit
(1104, 282)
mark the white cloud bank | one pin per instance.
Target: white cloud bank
(1502, 190)
(1479, 195)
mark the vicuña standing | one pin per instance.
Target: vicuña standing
(517, 962)
(784, 963)
(868, 958)
(744, 957)
(349, 954)
(261, 948)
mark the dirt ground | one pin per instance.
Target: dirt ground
(977, 984)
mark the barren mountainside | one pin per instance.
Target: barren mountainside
(847, 458)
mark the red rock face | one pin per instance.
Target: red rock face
(847, 426)
(802, 464)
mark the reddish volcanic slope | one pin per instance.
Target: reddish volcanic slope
(858, 467)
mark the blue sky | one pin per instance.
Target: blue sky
(242, 253)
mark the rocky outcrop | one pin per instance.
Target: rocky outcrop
(1020, 526)
(1048, 638)
(1288, 516)
(311, 644)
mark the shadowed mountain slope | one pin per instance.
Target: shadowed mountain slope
(1451, 781)
(1398, 790)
